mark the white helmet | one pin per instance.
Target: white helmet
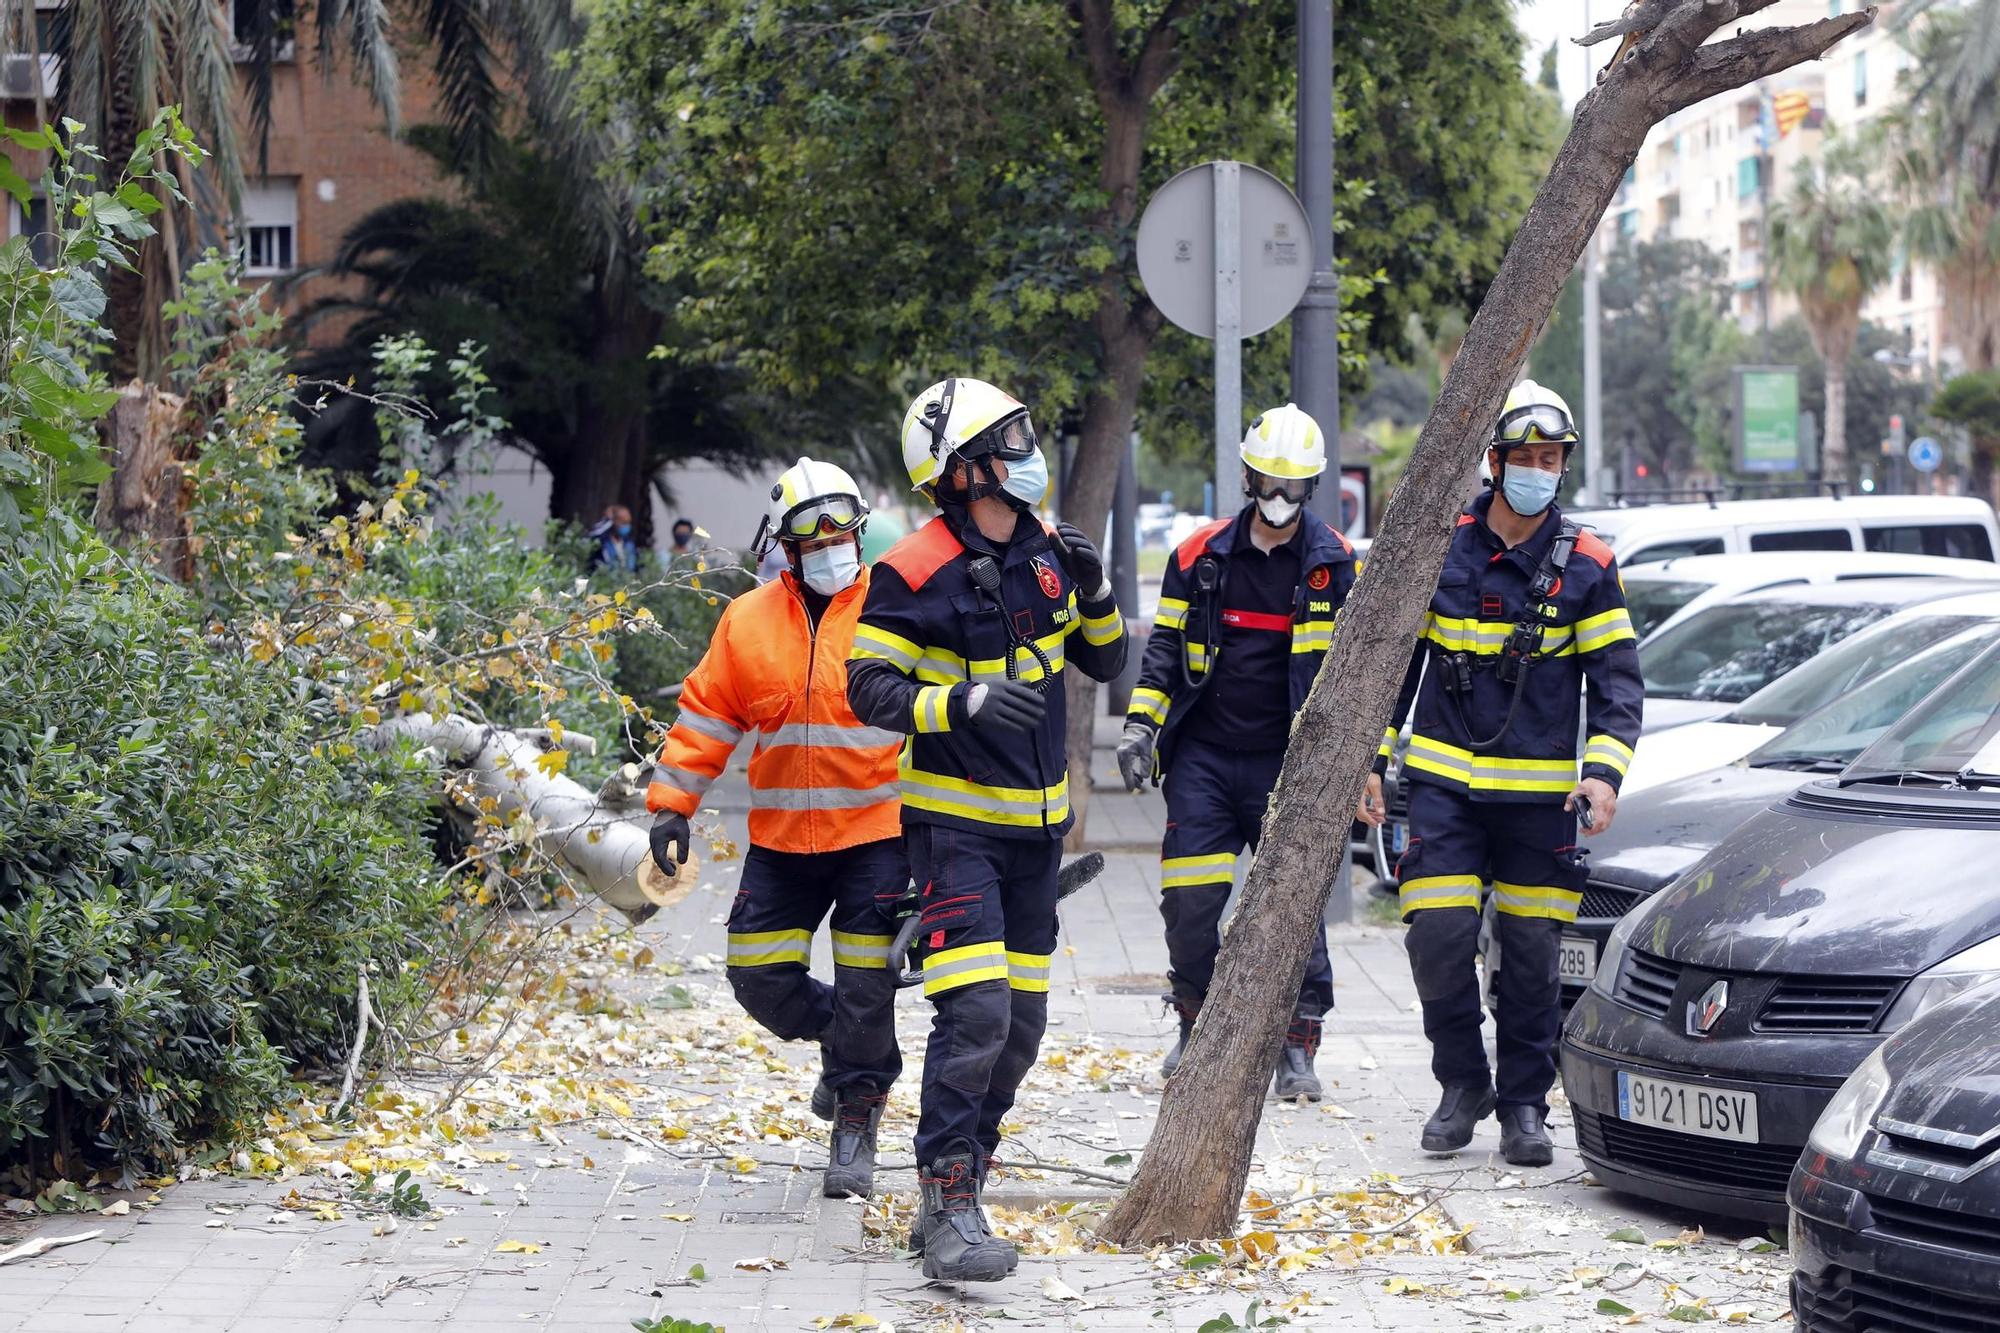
(966, 417)
(811, 500)
(1284, 442)
(1534, 414)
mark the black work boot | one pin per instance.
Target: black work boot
(822, 1102)
(951, 1231)
(1295, 1076)
(850, 1159)
(917, 1227)
(1450, 1126)
(1186, 1011)
(1524, 1137)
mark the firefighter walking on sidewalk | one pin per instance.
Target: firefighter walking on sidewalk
(1528, 619)
(824, 827)
(970, 625)
(1246, 615)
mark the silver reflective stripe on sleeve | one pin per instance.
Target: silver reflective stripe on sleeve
(830, 736)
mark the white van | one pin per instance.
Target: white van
(1947, 525)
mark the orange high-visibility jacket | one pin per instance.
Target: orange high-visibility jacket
(819, 779)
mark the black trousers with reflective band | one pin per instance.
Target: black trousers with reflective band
(988, 933)
(780, 902)
(1527, 854)
(1215, 808)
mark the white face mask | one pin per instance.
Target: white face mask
(1278, 511)
(831, 569)
(1027, 480)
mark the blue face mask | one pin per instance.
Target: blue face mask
(1529, 490)
(624, 529)
(1027, 480)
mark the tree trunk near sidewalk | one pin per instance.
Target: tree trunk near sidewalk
(1126, 322)
(1833, 330)
(1190, 1182)
(605, 463)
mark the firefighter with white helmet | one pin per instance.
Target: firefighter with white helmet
(825, 833)
(1246, 613)
(971, 623)
(1528, 620)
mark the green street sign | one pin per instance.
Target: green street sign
(1767, 419)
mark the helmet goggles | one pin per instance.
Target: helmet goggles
(1010, 439)
(1534, 423)
(1264, 486)
(823, 516)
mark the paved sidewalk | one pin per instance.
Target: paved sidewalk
(592, 1224)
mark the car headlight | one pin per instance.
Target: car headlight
(1847, 1117)
(1613, 956)
(1954, 976)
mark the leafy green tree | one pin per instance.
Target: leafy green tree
(1832, 243)
(1645, 289)
(1972, 401)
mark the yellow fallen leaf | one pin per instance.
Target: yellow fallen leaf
(516, 1247)
(847, 1321)
(677, 1217)
(743, 1165)
(762, 1264)
(1404, 1286)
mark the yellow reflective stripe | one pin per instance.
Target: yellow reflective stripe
(1172, 613)
(967, 965)
(1022, 807)
(1609, 751)
(941, 666)
(1603, 630)
(769, 948)
(1312, 636)
(1151, 703)
(932, 709)
(1489, 772)
(1462, 634)
(1543, 901)
(1027, 971)
(1429, 891)
(1197, 654)
(852, 950)
(1388, 745)
(872, 641)
(1099, 631)
(1273, 466)
(1181, 872)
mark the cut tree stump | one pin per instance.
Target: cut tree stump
(144, 504)
(1190, 1182)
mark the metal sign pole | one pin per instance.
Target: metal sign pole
(1228, 333)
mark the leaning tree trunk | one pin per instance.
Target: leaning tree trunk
(1190, 1183)
(602, 837)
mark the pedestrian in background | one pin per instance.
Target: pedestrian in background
(614, 545)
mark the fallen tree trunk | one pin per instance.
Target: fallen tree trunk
(601, 836)
(1190, 1182)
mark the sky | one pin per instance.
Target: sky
(1544, 21)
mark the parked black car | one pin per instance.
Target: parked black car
(1729, 1007)
(1896, 1203)
(1830, 708)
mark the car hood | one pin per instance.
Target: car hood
(1663, 830)
(1664, 713)
(1662, 756)
(1946, 1067)
(1831, 881)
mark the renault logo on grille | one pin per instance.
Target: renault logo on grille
(1704, 1013)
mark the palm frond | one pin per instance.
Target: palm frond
(462, 55)
(204, 84)
(370, 43)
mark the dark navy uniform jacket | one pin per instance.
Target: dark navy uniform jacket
(1589, 657)
(928, 634)
(1189, 622)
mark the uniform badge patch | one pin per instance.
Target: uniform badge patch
(1319, 578)
(1045, 574)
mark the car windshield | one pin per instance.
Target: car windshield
(1831, 737)
(1731, 651)
(1651, 601)
(1948, 737)
(1850, 663)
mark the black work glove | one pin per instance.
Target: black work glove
(669, 834)
(1081, 562)
(1004, 705)
(1135, 755)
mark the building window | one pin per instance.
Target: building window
(1906, 283)
(1746, 177)
(1861, 78)
(270, 225)
(33, 223)
(1833, 9)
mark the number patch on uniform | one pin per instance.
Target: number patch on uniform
(1320, 607)
(1060, 615)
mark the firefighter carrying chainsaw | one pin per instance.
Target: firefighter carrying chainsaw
(969, 625)
(1528, 620)
(1246, 614)
(824, 827)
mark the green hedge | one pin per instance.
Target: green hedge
(187, 892)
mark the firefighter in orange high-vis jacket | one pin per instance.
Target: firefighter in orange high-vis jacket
(825, 828)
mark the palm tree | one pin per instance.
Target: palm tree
(1832, 244)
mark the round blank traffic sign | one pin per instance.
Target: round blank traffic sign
(1176, 247)
(1925, 454)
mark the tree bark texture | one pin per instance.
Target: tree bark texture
(1834, 327)
(608, 461)
(1190, 1182)
(144, 504)
(1125, 323)
(602, 837)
